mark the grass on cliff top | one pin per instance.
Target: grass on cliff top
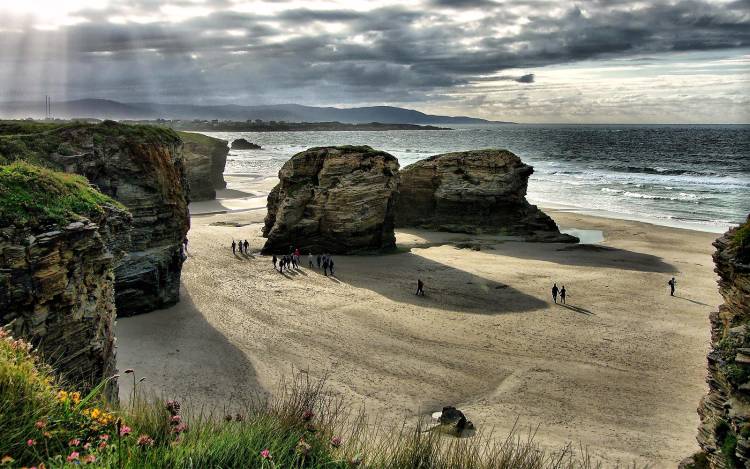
(200, 139)
(742, 236)
(306, 426)
(36, 141)
(35, 196)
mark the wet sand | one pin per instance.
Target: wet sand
(619, 369)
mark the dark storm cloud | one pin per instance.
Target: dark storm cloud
(402, 52)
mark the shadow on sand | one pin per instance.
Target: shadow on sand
(395, 277)
(587, 255)
(577, 309)
(695, 302)
(173, 348)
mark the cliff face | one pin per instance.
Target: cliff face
(333, 199)
(724, 434)
(143, 168)
(57, 269)
(205, 158)
(473, 191)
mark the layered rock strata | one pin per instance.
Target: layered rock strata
(472, 192)
(143, 168)
(57, 280)
(205, 159)
(724, 433)
(333, 199)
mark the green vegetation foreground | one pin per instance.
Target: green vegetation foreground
(45, 426)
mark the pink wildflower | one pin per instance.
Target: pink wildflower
(74, 442)
(265, 454)
(145, 440)
(102, 445)
(30, 442)
(180, 428)
(104, 437)
(87, 446)
(336, 441)
(308, 415)
(72, 456)
(175, 419)
(40, 424)
(90, 459)
(125, 430)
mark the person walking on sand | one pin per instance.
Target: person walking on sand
(562, 295)
(330, 264)
(234, 247)
(420, 287)
(318, 258)
(185, 243)
(554, 292)
(325, 266)
(247, 246)
(274, 261)
(310, 260)
(672, 283)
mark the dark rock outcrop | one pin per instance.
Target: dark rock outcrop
(205, 158)
(472, 192)
(724, 433)
(143, 168)
(57, 277)
(333, 199)
(243, 144)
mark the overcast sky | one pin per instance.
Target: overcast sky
(528, 61)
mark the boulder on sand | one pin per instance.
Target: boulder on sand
(473, 192)
(333, 199)
(243, 144)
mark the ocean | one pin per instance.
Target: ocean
(688, 176)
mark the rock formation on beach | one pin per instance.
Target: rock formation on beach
(205, 158)
(59, 242)
(333, 199)
(471, 192)
(140, 166)
(244, 144)
(724, 433)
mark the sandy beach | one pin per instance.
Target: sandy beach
(619, 369)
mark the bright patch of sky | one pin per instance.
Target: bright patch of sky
(542, 61)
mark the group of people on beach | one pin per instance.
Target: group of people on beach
(559, 291)
(292, 261)
(244, 247)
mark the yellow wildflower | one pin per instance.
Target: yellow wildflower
(96, 413)
(75, 397)
(62, 396)
(6, 460)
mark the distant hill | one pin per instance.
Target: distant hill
(107, 109)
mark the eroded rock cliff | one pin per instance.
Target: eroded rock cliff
(471, 192)
(140, 166)
(205, 158)
(724, 434)
(333, 199)
(59, 242)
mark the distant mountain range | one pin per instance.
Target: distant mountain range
(107, 109)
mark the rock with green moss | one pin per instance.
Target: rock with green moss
(724, 433)
(205, 158)
(333, 199)
(143, 168)
(59, 242)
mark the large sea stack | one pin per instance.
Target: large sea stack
(205, 158)
(59, 242)
(724, 434)
(473, 192)
(333, 199)
(140, 166)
